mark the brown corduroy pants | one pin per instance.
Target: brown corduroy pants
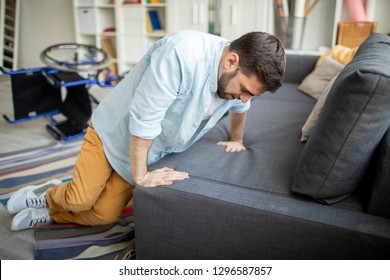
(96, 195)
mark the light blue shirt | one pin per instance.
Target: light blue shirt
(165, 97)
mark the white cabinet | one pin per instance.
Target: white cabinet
(188, 14)
(239, 17)
(228, 18)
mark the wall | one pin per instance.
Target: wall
(382, 9)
(43, 23)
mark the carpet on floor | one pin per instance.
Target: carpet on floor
(71, 241)
(21, 169)
(64, 241)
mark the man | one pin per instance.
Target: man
(179, 90)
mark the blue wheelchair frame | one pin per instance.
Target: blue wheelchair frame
(49, 74)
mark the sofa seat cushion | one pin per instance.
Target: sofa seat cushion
(271, 137)
(353, 121)
(239, 206)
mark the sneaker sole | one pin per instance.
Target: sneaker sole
(22, 215)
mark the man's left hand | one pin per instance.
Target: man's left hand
(232, 146)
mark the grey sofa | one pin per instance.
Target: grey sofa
(283, 199)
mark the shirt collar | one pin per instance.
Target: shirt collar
(213, 85)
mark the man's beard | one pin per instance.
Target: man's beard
(223, 82)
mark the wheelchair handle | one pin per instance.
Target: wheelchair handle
(50, 79)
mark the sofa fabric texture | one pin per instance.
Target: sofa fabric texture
(379, 189)
(353, 121)
(240, 205)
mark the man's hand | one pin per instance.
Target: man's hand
(232, 146)
(161, 177)
(237, 124)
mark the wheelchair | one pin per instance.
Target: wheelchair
(37, 92)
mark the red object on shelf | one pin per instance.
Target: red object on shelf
(131, 2)
(109, 30)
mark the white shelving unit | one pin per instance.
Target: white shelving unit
(95, 24)
(122, 24)
(9, 15)
(119, 27)
(134, 36)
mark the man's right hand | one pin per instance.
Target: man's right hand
(161, 177)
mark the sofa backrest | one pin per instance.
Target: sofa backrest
(298, 67)
(352, 123)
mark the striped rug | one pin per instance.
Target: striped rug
(64, 241)
(36, 166)
(70, 241)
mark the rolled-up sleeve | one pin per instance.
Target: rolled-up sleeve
(156, 91)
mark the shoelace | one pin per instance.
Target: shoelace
(39, 201)
(43, 219)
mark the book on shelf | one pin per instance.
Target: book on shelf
(153, 22)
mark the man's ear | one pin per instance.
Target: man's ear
(231, 61)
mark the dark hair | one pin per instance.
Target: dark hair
(261, 54)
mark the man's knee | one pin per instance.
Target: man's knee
(77, 205)
(106, 217)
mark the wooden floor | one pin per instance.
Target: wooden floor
(29, 135)
(16, 245)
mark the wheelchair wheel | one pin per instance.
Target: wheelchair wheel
(74, 57)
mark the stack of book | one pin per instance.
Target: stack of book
(153, 22)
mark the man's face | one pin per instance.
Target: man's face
(236, 85)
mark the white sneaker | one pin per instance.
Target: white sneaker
(28, 218)
(31, 196)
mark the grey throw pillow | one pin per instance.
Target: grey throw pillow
(315, 113)
(354, 119)
(315, 83)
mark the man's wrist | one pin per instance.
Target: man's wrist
(240, 140)
(139, 178)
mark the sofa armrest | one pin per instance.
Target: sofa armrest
(299, 66)
(379, 196)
